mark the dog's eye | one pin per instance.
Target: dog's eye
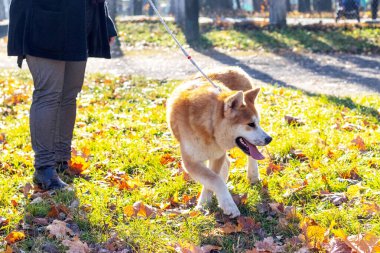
(253, 125)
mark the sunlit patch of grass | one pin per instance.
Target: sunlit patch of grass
(293, 38)
(121, 120)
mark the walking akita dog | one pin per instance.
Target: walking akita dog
(207, 123)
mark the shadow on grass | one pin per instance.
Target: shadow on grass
(309, 64)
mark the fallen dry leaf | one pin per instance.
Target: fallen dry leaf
(351, 127)
(78, 165)
(15, 236)
(274, 168)
(268, 245)
(59, 229)
(3, 222)
(294, 121)
(40, 221)
(298, 154)
(363, 243)
(359, 143)
(140, 209)
(167, 159)
(247, 224)
(76, 246)
(229, 228)
(371, 208)
(336, 245)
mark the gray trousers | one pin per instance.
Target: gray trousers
(53, 110)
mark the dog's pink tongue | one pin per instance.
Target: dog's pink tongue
(255, 153)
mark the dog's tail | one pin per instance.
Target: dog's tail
(232, 77)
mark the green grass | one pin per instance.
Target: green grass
(121, 120)
(317, 38)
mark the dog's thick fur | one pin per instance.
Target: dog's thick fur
(207, 123)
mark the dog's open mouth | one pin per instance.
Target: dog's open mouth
(249, 148)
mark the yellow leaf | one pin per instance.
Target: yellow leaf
(15, 236)
(129, 211)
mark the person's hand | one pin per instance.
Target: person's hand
(112, 40)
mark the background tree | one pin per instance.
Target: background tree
(277, 13)
(374, 8)
(304, 6)
(137, 7)
(187, 16)
(259, 5)
(2, 10)
(322, 5)
(151, 11)
(212, 6)
(238, 4)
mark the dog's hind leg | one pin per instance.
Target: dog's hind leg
(211, 181)
(253, 171)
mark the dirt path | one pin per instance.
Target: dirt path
(340, 75)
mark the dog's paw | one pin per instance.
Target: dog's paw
(229, 208)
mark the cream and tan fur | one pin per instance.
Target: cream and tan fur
(206, 123)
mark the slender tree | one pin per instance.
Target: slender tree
(374, 8)
(217, 6)
(187, 16)
(2, 10)
(258, 4)
(322, 5)
(304, 6)
(151, 11)
(137, 7)
(238, 4)
(277, 12)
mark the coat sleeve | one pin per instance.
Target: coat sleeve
(111, 28)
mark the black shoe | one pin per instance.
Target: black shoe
(46, 178)
(62, 166)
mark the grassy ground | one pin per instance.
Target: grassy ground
(316, 38)
(320, 180)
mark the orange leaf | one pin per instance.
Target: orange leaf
(129, 211)
(166, 159)
(15, 236)
(230, 228)
(273, 168)
(359, 143)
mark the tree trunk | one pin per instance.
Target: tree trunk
(137, 7)
(257, 5)
(151, 11)
(112, 8)
(323, 5)
(2, 10)
(238, 4)
(288, 6)
(304, 6)
(187, 15)
(374, 8)
(277, 13)
(217, 5)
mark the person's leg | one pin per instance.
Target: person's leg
(73, 82)
(48, 76)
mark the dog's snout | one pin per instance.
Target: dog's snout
(268, 140)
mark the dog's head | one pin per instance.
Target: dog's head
(243, 122)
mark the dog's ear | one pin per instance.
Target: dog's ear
(251, 95)
(233, 103)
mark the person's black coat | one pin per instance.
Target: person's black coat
(56, 29)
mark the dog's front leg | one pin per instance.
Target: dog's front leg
(212, 182)
(219, 166)
(253, 171)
